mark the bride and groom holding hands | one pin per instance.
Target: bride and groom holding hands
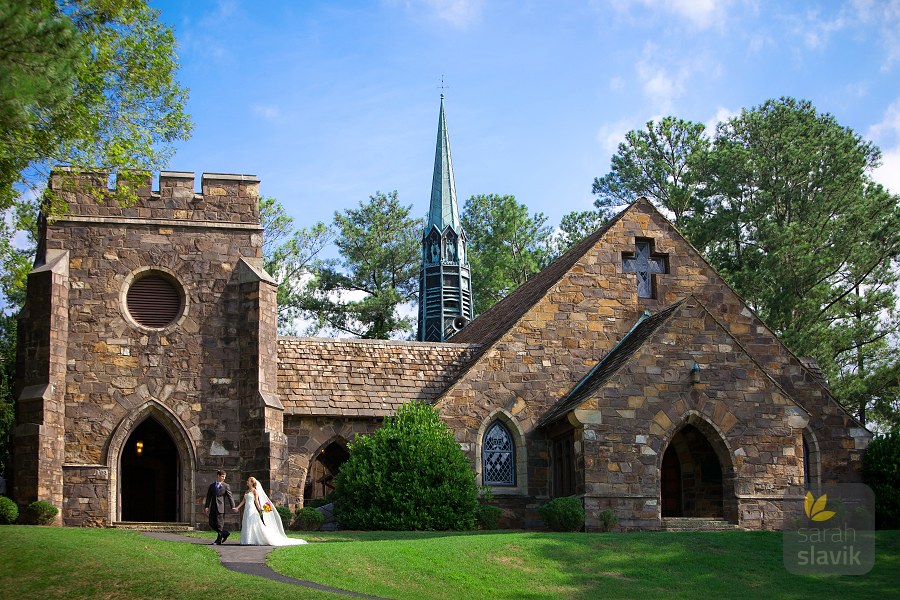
(261, 524)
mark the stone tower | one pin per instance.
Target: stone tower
(146, 345)
(445, 285)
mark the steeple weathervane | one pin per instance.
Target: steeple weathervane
(445, 286)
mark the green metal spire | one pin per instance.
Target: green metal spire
(445, 284)
(444, 209)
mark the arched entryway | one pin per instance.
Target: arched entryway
(323, 468)
(150, 475)
(693, 480)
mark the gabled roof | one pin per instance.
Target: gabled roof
(497, 320)
(443, 211)
(645, 327)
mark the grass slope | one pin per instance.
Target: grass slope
(552, 565)
(44, 562)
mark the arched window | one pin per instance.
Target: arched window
(498, 454)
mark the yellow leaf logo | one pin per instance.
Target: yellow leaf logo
(815, 509)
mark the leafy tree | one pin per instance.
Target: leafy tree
(291, 256)
(408, 475)
(659, 162)
(110, 98)
(806, 237)
(577, 225)
(507, 246)
(362, 293)
(881, 471)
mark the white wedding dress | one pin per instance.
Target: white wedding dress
(266, 530)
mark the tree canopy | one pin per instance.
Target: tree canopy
(362, 292)
(507, 246)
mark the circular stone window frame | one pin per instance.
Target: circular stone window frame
(176, 283)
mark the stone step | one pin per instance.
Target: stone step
(152, 526)
(697, 524)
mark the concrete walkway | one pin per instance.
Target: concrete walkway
(250, 560)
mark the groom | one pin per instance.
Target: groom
(216, 495)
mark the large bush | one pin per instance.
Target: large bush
(881, 470)
(40, 513)
(307, 519)
(563, 514)
(408, 475)
(9, 512)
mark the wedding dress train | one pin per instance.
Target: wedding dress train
(265, 530)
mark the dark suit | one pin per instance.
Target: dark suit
(215, 502)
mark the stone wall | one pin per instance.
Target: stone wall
(194, 376)
(555, 340)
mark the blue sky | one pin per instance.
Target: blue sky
(328, 102)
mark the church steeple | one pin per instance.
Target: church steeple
(444, 209)
(445, 286)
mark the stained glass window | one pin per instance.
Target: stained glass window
(644, 263)
(498, 456)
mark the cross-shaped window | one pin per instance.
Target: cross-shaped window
(645, 263)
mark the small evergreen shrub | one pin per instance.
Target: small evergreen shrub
(317, 502)
(488, 516)
(9, 512)
(608, 520)
(563, 514)
(285, 513)
(40, 513)
(881, 472)
(307, 519)
(408, 475)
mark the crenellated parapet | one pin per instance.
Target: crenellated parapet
(225, 198)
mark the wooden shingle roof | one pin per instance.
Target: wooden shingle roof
(366, 378)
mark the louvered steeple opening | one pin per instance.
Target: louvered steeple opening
(154, 300)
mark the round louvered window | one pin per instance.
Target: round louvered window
(154, 300)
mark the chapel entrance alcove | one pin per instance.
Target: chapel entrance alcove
(323, 469)
(149, 475)
(693, 482)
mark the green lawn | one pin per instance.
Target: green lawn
(120, 564)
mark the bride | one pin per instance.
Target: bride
(262, 525)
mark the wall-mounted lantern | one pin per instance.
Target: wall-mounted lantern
(695, 374)
(139, 448)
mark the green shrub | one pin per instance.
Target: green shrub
(307, 519)
(9, 512)
(317, 502)
(881, 471)
(563, 514)
(409, 475)
(608, 520)
(488, 516)
(40, 513)
(285, 513)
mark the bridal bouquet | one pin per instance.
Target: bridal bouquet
(267, 508)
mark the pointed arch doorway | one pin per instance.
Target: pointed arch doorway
(694, 480)
(323, 468)
(150, 475)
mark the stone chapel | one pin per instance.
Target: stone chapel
(627, 373)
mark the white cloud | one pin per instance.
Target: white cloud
(816, 30)
(617, 84)
(269, 112)
(886, 133)
(611, 135)
(460, 13)
(888, 174)
(722, 115)
(664, 78)
(702, 14)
